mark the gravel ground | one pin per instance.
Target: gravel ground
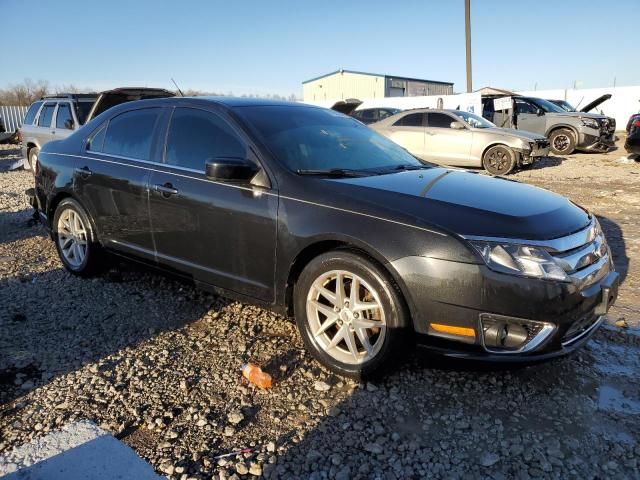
(157, 363)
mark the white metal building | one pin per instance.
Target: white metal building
(344, 84)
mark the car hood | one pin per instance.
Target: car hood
(598, 101)
(467, 203)
(512, 132)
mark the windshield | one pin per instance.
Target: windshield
(474, 120)
(546, 105)
(565, 105)
(83, 107)
(316, 139)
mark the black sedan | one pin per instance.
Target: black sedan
(309, 212)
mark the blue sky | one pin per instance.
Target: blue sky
(272, 46)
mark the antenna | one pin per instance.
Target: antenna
(174, 82)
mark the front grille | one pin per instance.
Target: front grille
(579, 327)
(582, 259)
(542, 143)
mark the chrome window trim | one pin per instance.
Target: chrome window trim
(257, 190)
(562, 244)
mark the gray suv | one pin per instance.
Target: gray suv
(55, 117)
(566, 131)
(50, 118)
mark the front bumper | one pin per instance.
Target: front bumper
(458, 294)
(592, 140)
(540, 148)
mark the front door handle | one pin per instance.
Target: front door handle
(84, 172)
(166, 190)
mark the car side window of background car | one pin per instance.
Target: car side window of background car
(31, 114)
(64, 118)
(46, 115)
(440, 120)
(96, 140)
(411, 120)
(382, 114)
(524, 107)
(196, 136)
(130, 133)
(369, 116)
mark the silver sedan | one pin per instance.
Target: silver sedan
(454, 137)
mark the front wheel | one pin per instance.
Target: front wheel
(563, 141)
(351, 317)
(75, 240)
(33, 158)
(499, 160)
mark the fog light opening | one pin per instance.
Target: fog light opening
(502, 334)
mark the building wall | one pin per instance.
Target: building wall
(341, 86)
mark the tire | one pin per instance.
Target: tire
(499, 160)
(33, 158)
(75, 239)
(340, 335)
(563, 141)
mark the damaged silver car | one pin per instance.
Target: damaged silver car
(454, 137)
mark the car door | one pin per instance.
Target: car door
(445, 144)
(528, 118)
(64, 123)
(409, 132)
(224, 234)
(43, 132)
(113, 175)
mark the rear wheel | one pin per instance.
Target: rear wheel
(75, 240)
(563, 141)
(351, 317)
(499, 160)
(33, 158)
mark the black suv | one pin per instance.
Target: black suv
(308, 212)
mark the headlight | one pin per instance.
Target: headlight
(590, 122)
(520, 260)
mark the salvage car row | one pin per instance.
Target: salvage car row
(454, 137)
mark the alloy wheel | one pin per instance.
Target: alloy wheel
(72, 237)
(346, 318)
(561, 142)
(499, 160)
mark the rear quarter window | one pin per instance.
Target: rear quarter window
(130, 134)
(31, 113)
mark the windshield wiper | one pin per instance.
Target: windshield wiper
(334, 172)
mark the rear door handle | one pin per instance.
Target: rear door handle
(83, 172)
(166, 189)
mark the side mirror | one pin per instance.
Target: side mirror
(457, 126)
(230, 169)
(539, 112)
(68, 124)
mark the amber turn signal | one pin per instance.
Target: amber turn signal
(460, 331)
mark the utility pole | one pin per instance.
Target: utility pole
(467, 32)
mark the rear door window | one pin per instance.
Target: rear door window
(64, 119)
(369, 116)
(411, 120)
(440, 120)
(46, 115)
(31, 113)
(196, 136)
(130, 134)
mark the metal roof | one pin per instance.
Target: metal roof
(398, 77)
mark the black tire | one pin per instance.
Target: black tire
(499, 160)
(388, 343)
(93, 259)
(33, 158)
(563, 141)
